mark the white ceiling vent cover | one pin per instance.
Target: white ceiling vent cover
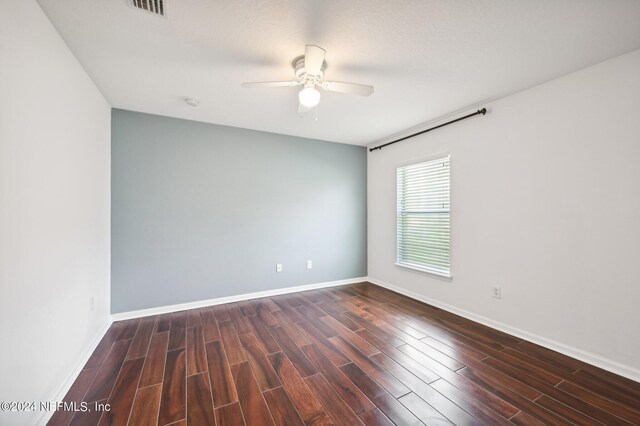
(152, 6)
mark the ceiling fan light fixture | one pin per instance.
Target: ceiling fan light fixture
(309, 97)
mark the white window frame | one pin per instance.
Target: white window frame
(425, 270)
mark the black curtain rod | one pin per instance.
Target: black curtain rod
(482, 111)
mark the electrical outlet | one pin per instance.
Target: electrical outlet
(309, 264)
(278, 267)
(496, 292)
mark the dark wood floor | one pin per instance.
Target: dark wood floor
(345, 355)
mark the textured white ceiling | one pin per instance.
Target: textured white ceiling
(425, 58)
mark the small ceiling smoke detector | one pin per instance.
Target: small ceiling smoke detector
(192, 102)
(157, 7)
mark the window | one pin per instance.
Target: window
(424, 232)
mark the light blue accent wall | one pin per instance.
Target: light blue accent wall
(202, 211)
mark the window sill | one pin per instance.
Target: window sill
(438, 275)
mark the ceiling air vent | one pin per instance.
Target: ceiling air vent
(152, 6)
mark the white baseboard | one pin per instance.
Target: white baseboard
(590, 358)
(221, 300)
(45, 416)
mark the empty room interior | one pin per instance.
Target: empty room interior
(382, 212)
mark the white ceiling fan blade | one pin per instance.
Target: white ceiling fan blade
(313, 59)
(261, 84)
(350, 88)
(302, 109)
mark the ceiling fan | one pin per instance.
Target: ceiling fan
(309, 71)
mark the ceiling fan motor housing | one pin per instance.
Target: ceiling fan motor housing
(304, 77)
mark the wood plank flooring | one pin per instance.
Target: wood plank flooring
(350, 355)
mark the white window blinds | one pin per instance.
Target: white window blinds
(424, 232)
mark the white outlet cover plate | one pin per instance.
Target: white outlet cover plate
(496, 292)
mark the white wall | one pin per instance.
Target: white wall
(54, 209)
(545, 204)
